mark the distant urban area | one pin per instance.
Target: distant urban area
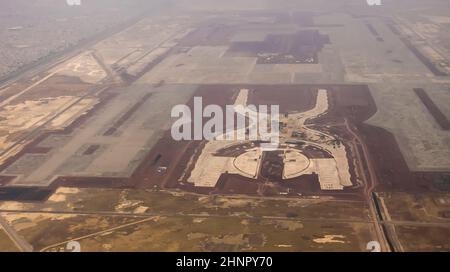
(32, 31)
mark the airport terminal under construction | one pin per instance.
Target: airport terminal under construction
(353, 127)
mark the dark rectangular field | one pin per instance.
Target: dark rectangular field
(300, 47)
(440, 118)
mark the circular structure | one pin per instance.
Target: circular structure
(247, 163)
(295, 163)
(284, 163)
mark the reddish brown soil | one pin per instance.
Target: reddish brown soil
(236, 184)
(91, 182)
(284, 48)
(289, 98)
(313, 152)
(272, 165)
(233, 151)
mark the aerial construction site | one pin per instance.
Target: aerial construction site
(87, 152)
